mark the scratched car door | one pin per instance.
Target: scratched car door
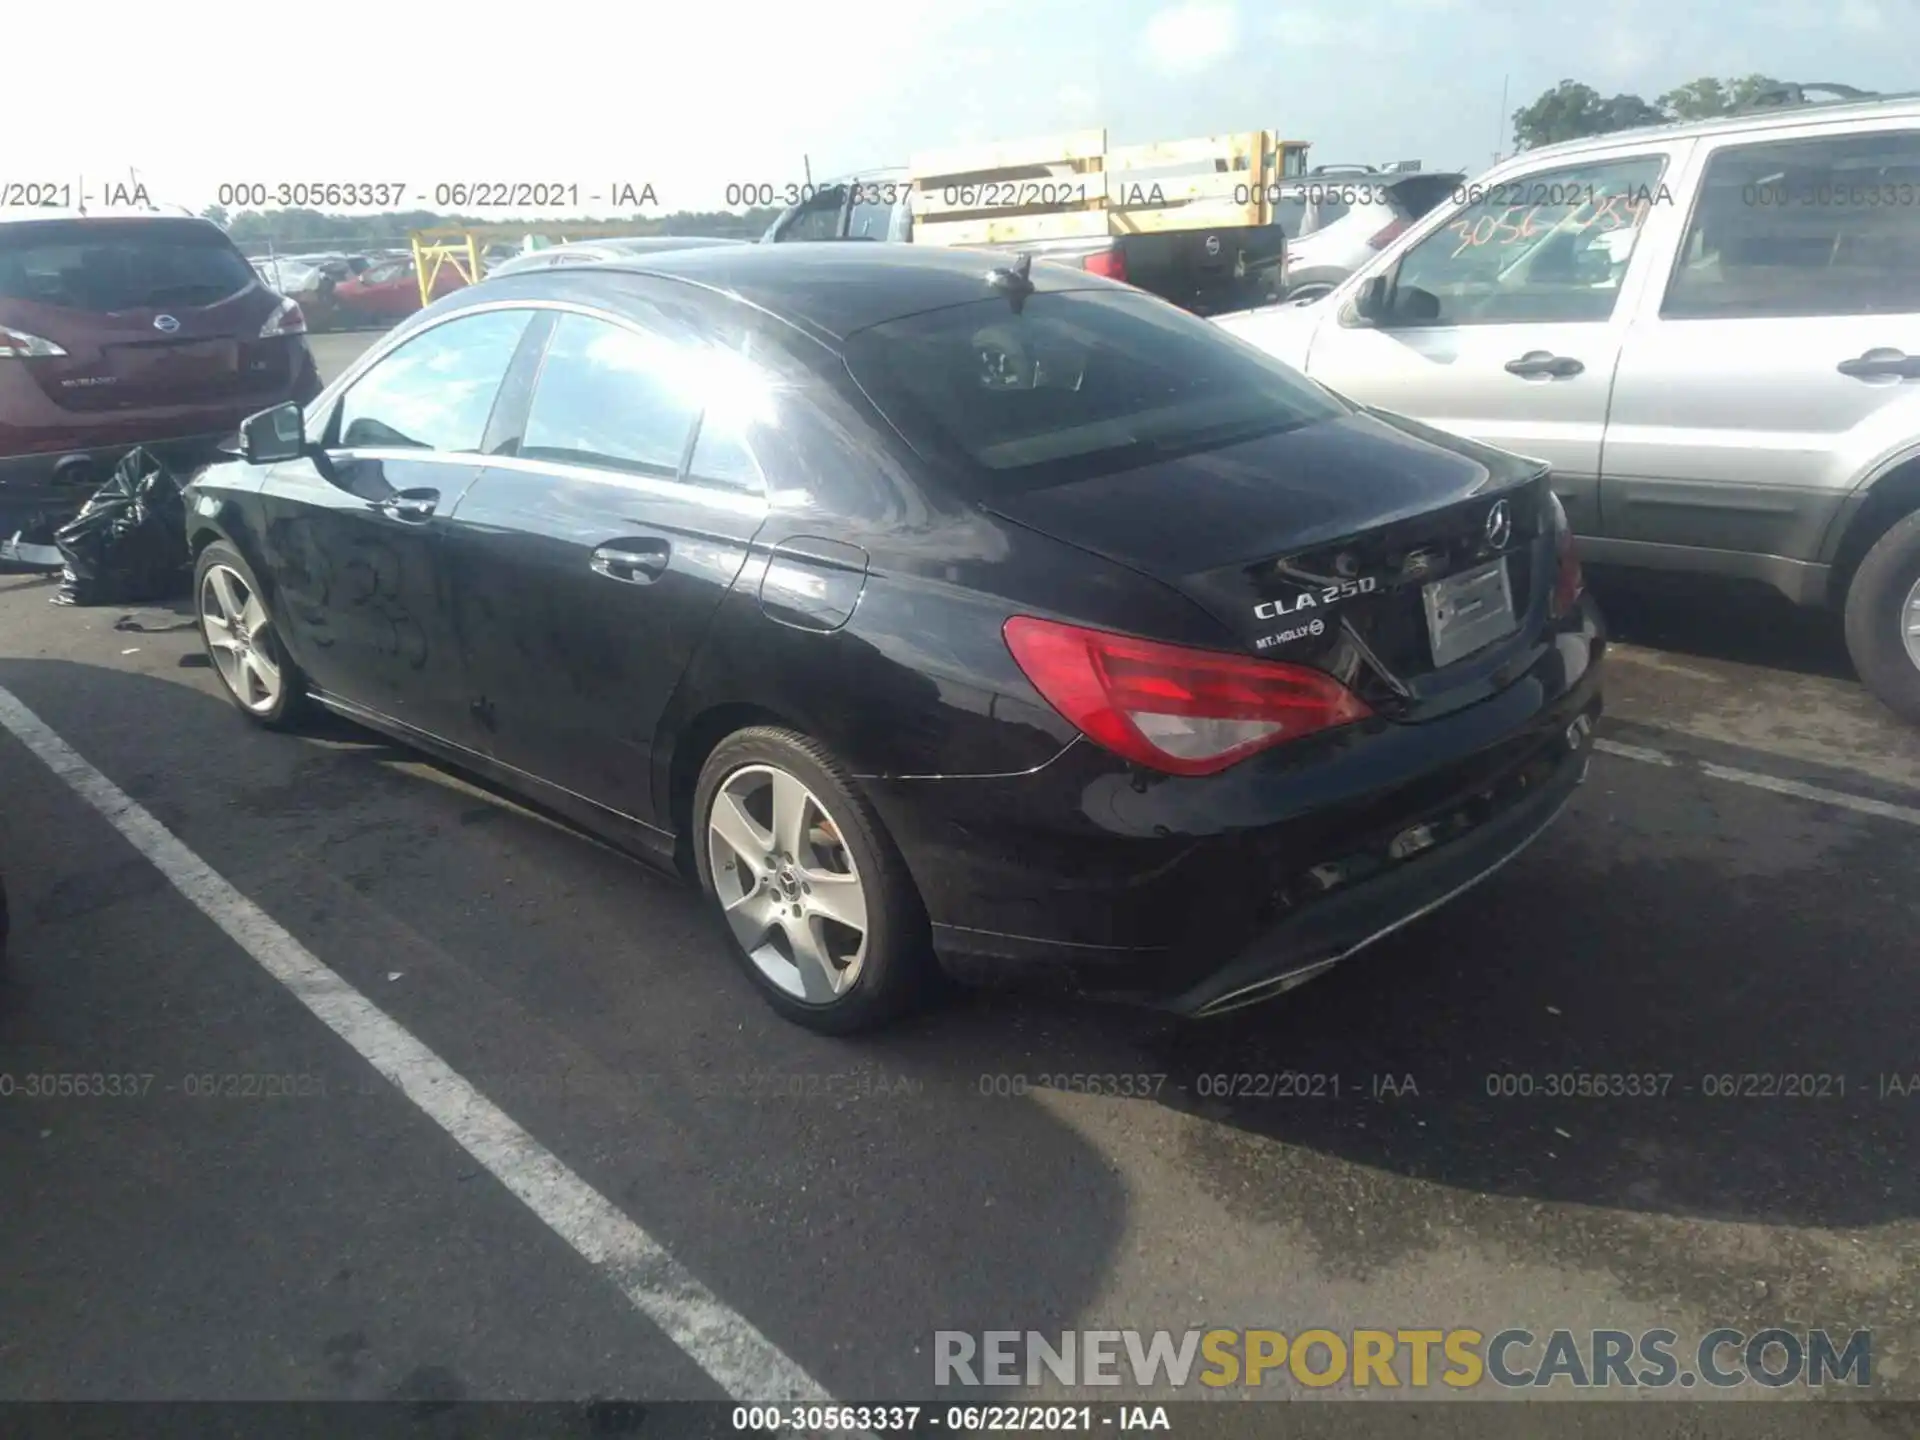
(590, 559)
(358, 560)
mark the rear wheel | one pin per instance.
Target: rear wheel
(817, 903)
(238, 633)
(1883, 618)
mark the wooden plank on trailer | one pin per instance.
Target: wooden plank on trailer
(975, 200)
(1155, 192)
(1058, 225)
(1203, 215)
(1073, 147)
(1207, 149)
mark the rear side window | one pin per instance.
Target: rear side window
(436, 391)
(1074, 383)
(108, 265)
(1804, 227)
(612, 397)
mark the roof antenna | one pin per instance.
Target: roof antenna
(1015, 279)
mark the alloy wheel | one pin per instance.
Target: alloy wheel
(1910, 624)
(787, 883)
(239, 635)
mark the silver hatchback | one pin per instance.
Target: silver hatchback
(1710, 330)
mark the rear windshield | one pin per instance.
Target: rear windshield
(1074, 383)
(108, 265)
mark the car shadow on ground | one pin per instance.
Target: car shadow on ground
(1741, 622)
(1724, 967)
(591, 999)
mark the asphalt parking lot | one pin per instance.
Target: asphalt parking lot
(592, 1162)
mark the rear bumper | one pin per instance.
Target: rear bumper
(1196, 895)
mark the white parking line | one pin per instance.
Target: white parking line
(1905, 814)
(721, 1342)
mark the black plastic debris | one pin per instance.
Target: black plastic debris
(129, 541)
(32, 547)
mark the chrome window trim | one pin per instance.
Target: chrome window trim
(712, 493)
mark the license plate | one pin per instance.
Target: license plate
(1468, 612)
(186, 362)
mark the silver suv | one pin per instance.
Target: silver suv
(1710, 330)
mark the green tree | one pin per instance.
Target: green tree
(1571, 111)
(1707, 96)
(217, 214)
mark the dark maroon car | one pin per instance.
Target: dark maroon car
(125, 330)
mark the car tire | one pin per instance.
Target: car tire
(222, 579)
(1883, 619)
(774, 914)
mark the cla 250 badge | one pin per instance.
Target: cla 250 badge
(1307, 600)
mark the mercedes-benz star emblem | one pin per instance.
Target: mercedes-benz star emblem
(166, 324)
(1499, 525)
(1213, 244)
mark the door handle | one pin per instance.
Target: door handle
(409, 505)
(1542, 362)
(1879, 363)
(638, 562)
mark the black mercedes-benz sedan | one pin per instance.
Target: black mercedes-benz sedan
(934, 609)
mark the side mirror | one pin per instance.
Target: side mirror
(270, 436)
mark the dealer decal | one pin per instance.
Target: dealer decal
(1315, 626)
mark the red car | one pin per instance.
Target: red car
(388, 292)
(126, 330)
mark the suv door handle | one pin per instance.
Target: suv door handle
(638, 562)
(1544, 362)
(409, 505)
(1881, 362)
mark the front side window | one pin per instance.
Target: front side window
(1071, 384)
(613, 397)
(437, 390)
(1551, 247)
(1803, 227)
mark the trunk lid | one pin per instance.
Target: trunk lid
(1323, 546)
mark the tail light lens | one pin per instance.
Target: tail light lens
(1382, 238)
(18, 345)
(287, 320)
(1110, 263)
(1568, 581)
(1181, 711)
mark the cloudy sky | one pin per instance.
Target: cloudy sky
(691, 97)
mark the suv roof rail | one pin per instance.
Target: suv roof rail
(1792, 93)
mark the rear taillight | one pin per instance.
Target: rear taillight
(1110, 263)
(287, 320)
(1568, 581)
(1185, 712)
(1380, 239)
(18, 345)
